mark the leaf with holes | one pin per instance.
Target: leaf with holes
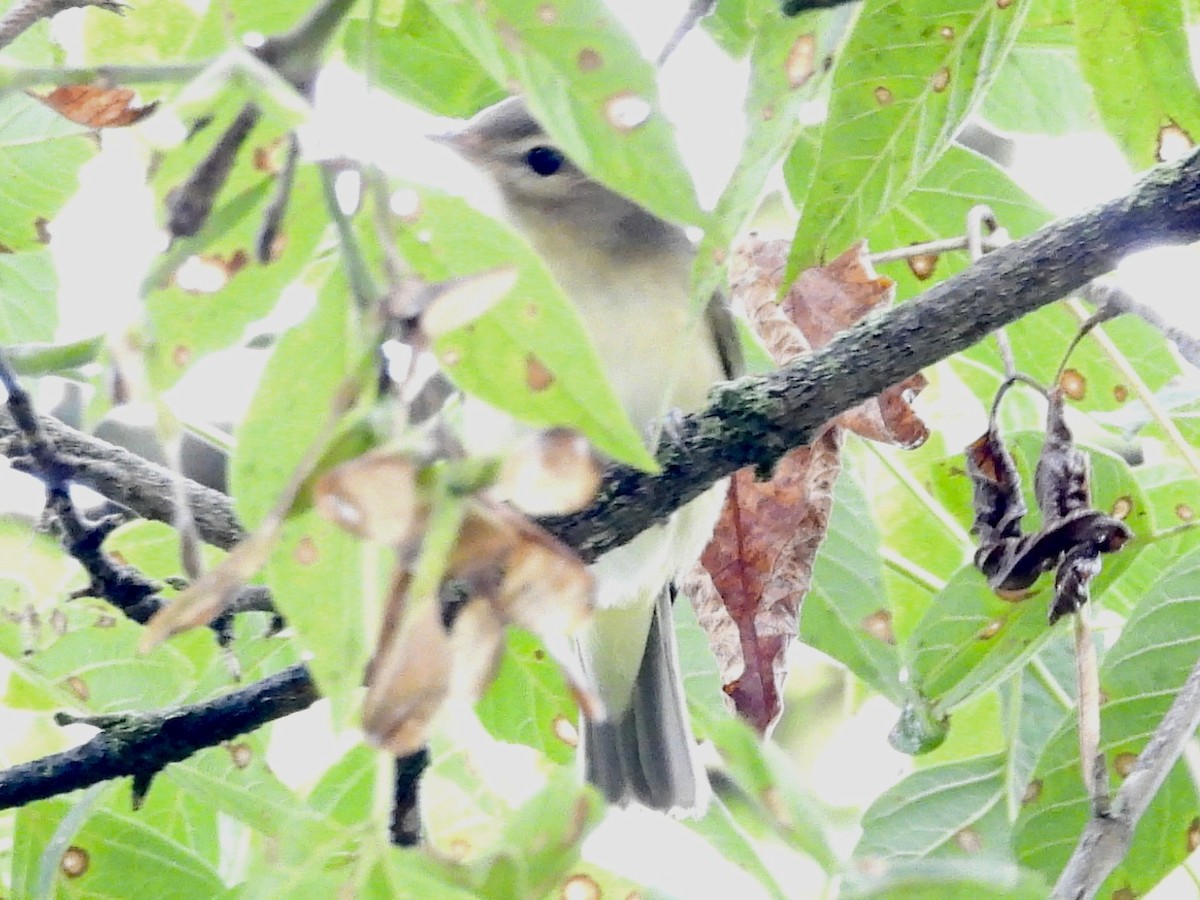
(585, 81)
(903, 86)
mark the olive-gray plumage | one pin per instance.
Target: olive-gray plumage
(628, 273)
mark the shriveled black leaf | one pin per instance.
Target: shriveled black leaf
(1015, 565)
(1079, 566)
(1061, 479)
(996, 486)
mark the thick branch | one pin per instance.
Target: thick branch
(126, 478)
(141, 744)
(1105, 841)
(754, 421)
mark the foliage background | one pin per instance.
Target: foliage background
(994, 810)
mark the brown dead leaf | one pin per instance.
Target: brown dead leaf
(96, 107)
(551, 472)
(760, 560)
(408, 679)
(374, 496)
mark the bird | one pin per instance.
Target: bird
(627, 272)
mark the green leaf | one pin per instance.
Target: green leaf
(786, 71)
(542, 839)
(728, 839)
(158, 32)
(418, 59)
(345, 792)
(236, 780)
(847, 596)
(585, 81)
(1139, 677)
(533, 327)
(529, 702)
(190, 319)
(937, 208)
(904, 84)
(1020, 100)
(734, 23)
(971, 639)
(40, 156)
(112, 850)
(309, 572)
(945, 879)
(28, 297)
(952, 811)
(1132, 53)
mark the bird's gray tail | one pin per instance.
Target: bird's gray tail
(648, 753)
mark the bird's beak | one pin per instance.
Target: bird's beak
(460, 140)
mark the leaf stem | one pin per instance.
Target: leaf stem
(1140, 388)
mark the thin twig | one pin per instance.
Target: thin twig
(1103, 293)
(1105, 841)
(25, 13)
(697, 10)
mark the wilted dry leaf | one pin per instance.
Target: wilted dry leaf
(531, 579)
(458, 302)
(374, 496)
(408, 679)
(207, 598)
(96, 107)
(760, 561)
(1073, 535)
(436, 653)
(550, 473)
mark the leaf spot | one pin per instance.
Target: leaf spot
(1120, 393)
(800, 60)
(990, 630)
(1123, 763)
(181, 355)
(75, 862)
(940, 80)
(547, 13)
(241, 754)
(969, 841)
(565, 731)
(589, 60)
(922, 265)
(78, 687)
(1122, 507)
(580, 887)
(1033, 791)
(406, 203)
(626, 111)
(879, 626)
(947, 32)
(883, 96)
(537, 376)
(1184, 512)
(1193, 835)
(1173, 143)
(1073, 384)
(306, 552)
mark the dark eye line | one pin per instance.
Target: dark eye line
(544, 160)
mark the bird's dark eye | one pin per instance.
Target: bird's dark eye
(544, 160)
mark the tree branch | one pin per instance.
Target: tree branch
(142, 744)
(1106, 839)
(25, 13)
(754, 421)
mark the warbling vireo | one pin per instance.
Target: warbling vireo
(628, 273)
